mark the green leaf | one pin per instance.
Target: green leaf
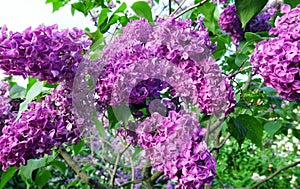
(112, 119)
(33, 92)
(42, 178)
(237, 130)
(99, 125)
(80, 7)
(32, 165)
(296, 133)
(78, 147)
(142, 9)
(249, 36)
(103, 17)
(208, 10)
(293, 3)
(254, 128)
(17, 92)
(273, 127)
(240, 59)
(7, 175)
(247, 9)
(61, 166)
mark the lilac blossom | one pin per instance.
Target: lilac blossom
(277, 59)
(44, 125)
(46, 52)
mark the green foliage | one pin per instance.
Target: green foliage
(142, 9)
(247, 9)
(6, 176)
(293, 3)
(35, 89)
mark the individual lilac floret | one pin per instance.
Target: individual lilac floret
(44, 125)
(46, 52)
(277, 59)
(231, 23)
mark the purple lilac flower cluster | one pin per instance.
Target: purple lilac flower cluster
(46, 52)
(44, 125)
(176, 147)
(173, 43)
(231, 23)
(5, 107)
(277, 59)
(170, 58)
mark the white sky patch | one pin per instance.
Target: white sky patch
(20, 14)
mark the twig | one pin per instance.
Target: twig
(132, 182)
(132, 172)
(93, 183)
(179, 7)
(155, 176)
(274, 174)
(190, 8)
(113, 176)
(221, 144)
(170, 7)
(214, 126)
(247, 85)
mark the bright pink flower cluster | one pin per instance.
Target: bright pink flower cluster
(44, 125)
(46, 52)
(277, 59)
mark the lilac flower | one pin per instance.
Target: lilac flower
(45, 53)
(5, 106)
(231, 24)
(185, 52)
(44, 125)
(277, 59)
(175, 146)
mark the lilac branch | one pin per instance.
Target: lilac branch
(190, 8)
(274, 174)
(93, 183)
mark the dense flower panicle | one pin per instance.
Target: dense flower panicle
(231, 23)
(259, 23)
(277, 59)
(44, 125)
(156, 76)
(182, 47)
(175, 146)
(138, 31)
(46, 52)
(5, 106)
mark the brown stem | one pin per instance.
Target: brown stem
(221, 144)
(113, 176)
(93, 183)
(274, 174)
(190, 8)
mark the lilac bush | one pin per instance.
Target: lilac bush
(46, 52)
(277, 59)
